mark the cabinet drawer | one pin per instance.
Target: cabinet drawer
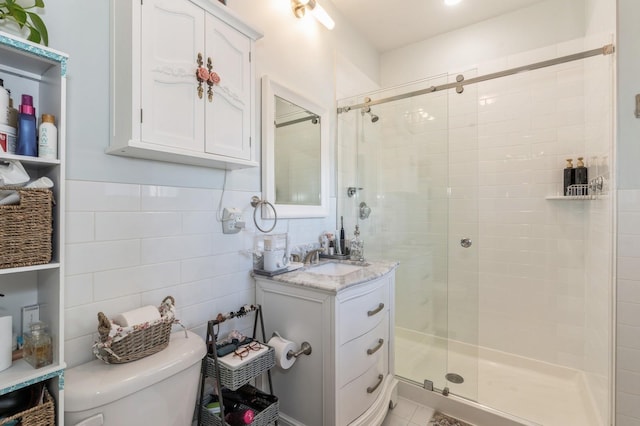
(358, 355)
(356, 397)
(363, 313)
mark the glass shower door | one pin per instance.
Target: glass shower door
(395, 177)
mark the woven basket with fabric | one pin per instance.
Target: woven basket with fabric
(136, 342)
(40, 415)
(26, 228)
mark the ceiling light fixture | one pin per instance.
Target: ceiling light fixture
(451, 2)
(300, 8)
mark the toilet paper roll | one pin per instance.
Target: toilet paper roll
(5, 342)
(141, 315)
(282, 347)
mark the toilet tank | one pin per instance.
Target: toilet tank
(158, 390)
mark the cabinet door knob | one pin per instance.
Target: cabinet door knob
(378, 346)
(376, 310)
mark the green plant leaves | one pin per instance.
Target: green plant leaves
(12, 11)
(40, 26)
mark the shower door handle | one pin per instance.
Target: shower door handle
(466, 242)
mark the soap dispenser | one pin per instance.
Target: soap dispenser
(356, 246)
(569, 175)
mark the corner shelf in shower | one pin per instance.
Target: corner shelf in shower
(571, 197)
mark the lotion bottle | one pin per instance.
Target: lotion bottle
(48, 138)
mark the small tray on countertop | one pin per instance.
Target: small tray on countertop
(292, 267)
(334, 256)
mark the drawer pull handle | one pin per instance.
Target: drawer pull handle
(372, 389)
(378, 346)
(376, 310)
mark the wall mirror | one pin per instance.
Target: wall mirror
(295, 153)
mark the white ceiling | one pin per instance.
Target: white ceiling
(389, 24)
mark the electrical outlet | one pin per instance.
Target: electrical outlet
(232, 220)
(29, 314)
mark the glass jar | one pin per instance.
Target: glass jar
(356, 246)
(38, 347)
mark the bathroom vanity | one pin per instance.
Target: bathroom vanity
(345, 310)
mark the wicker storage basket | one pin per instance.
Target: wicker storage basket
(40, 415)
(233, 378)
(26, 228)
(138, 344)
(265, 417)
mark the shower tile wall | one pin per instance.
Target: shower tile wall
(628, 321)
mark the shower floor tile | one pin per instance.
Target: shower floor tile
(548, 395)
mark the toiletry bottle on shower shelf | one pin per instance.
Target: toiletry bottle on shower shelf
(569, 175)
(581, 177)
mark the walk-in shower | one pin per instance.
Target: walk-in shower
(503, 294)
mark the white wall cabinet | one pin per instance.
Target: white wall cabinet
(28, 68)
(160, 109)
(348, 379)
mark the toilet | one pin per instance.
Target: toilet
(158, 390)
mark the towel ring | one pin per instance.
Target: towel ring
(255, 203)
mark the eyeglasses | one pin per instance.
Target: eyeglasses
(245, 350)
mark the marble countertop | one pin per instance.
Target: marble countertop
(371, 269)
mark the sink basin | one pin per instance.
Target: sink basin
(334, 269)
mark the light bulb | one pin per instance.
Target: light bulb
(323, 17)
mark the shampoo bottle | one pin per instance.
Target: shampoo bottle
(581, 172)
(569, 175)
(26, 143)
(48, 138)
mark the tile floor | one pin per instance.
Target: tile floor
(408, 413)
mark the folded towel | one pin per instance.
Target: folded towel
(141, 315)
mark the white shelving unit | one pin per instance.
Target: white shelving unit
(29, 68)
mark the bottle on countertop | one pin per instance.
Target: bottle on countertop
(342, 237)
(48, 138)
(569, 175)
(26, 143)
(356, 246)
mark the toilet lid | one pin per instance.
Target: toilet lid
(95, 383)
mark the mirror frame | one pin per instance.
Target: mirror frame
(270, 89)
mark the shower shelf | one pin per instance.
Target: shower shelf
(571, 197)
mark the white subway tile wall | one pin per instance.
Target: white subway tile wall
(628, 314)
(132, 245)
(538, 277)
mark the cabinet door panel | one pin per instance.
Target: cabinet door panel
(228, 126)
(173, 35)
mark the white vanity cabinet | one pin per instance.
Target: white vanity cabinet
(28, 68)
(160, 109)
(348, 379)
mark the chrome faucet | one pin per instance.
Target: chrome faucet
(312, 256)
